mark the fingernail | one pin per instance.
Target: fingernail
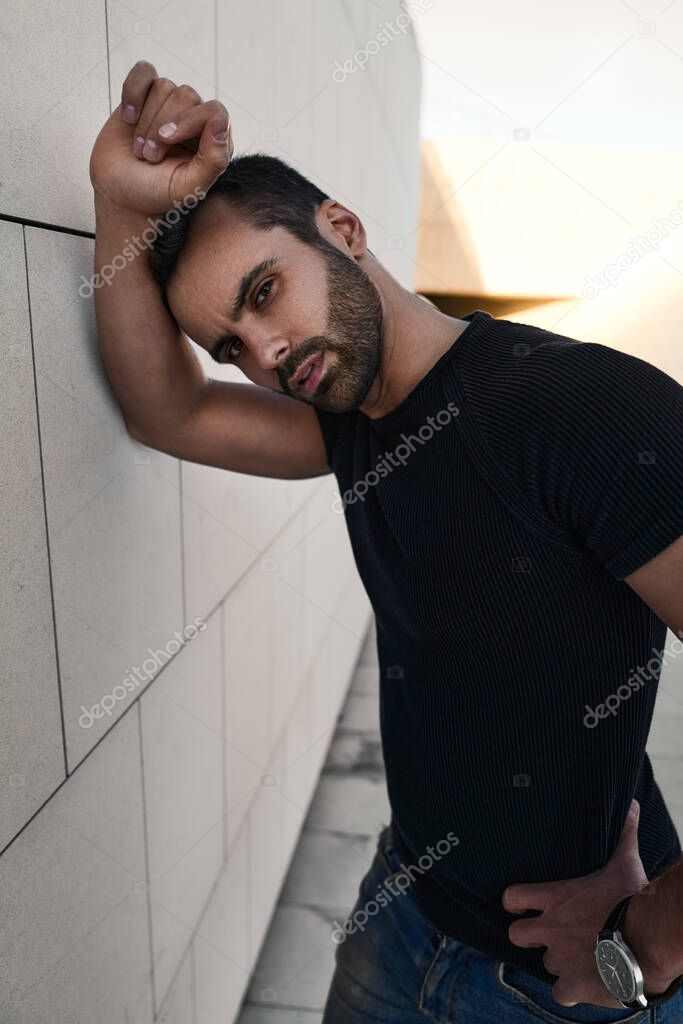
(220, 130)
(168, 129)
(150, 149)
(138, 144)
(129, 113)
(633, 809)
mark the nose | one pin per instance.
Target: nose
(272, 352)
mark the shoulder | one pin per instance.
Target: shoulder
(554, 388)
(590, 435)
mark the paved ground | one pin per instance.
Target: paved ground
(335, 849)
(350, 806)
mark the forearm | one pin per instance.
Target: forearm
(653, 928)
(153, 371)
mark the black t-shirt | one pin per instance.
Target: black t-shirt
(493, 515)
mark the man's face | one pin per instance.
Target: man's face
(306, 313)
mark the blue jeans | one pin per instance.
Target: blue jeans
(394, 967)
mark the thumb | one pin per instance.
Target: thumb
(628, 841)
(213, 155)
(633, 815)
(627, 853)
(629, 833)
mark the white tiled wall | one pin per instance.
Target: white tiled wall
(141, 853)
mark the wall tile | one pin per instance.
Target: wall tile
(113, 521)
(246, 83)
(223, 942)
(228, 518)
(291, 107)
(176, 39)
(31, 746)
(178, 1007)
(54, 71)
(272, 632)
(268, 853)
(183, 769)
(76, 934)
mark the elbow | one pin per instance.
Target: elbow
(135, 434)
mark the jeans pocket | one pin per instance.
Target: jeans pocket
(518, 985)
(390, 859)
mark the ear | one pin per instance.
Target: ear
(339, 224)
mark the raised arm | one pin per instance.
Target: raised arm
(165, 397)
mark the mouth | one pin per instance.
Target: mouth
(307, 377)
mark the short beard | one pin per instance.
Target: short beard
(353, 334)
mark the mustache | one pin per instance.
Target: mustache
(305, 350)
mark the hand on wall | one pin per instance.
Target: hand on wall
(161, 145)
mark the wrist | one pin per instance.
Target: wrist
(638, 928)
(109, 212)
(117, 231)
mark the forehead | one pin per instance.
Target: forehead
(221, 247)
(218, 238)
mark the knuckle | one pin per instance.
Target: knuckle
(164, 84)
(187, 92)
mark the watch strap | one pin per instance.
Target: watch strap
(616, 915)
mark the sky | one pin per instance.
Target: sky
(608, 73)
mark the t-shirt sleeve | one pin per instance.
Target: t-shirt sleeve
(600, 443)
(332, 426)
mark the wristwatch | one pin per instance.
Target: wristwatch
(619, 968)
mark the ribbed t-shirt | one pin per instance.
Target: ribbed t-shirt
(493, 515)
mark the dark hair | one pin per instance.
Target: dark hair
(266, 190)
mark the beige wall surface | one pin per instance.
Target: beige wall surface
(142, 852)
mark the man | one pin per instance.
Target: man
(514, 500)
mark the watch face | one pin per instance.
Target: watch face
(616, 970)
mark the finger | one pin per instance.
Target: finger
(214, 153)
(528, 896)
(528, 934)
(190, 123)
(175, 105)
(161, 90)
(565, 993)
(136, 86)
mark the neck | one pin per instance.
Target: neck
(414, 336)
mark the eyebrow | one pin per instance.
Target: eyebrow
(238, 305)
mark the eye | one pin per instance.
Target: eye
(266, 284)
(229, 351)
